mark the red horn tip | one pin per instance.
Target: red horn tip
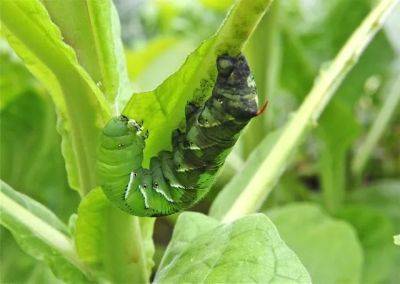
(262, 109)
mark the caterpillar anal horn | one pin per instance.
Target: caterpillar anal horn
(263, 108)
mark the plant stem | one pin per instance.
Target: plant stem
(139, 248)
(381, 122)
(42, 230)
(241, 22)
(124, 246)
(326, 84)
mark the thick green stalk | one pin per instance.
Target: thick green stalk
(328, 81)
(242, 20)
(381, 122)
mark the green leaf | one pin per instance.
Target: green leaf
(19, 267)
(163, 109)
(28, 126)
(80, 104)
(190, 225)
(383, 195)
(328, 248)
(232, 190)
(248, 250)
(116, 244)
(41, 234)
(138, 59)
(144, 63)
(14, 78)
(92, 29)
(375, 232)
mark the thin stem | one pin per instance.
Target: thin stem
(241, 22)
(381, 122)
(270, 170)
(42, 230)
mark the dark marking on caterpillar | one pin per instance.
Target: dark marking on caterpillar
(177, 179)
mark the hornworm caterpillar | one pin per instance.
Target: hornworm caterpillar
(179, 178)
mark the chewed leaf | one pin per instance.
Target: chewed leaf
(163, 109)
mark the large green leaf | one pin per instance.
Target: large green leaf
(328, 248)
(28, 125)
(41, 234)
(232, 190)
(163, 109)
(375, 231)
(82, 108)
(247, 251)
(116, 244)
(91, 28)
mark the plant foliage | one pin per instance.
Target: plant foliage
(320, 167)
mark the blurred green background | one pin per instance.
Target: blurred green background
(292, 42)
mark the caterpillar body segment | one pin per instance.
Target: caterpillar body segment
(179, 178)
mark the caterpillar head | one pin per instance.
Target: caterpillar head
(117, 126)
(120, 132)
(235, 87)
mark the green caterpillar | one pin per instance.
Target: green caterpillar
(179, 178)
